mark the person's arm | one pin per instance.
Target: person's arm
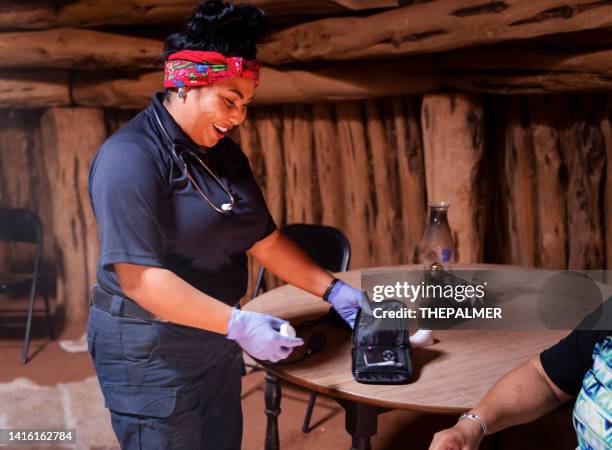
(285, 259)
(524, 394)
(281, 256)
(166, 295)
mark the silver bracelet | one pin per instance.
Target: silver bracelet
(472, 416)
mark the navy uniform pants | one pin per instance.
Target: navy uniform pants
(167, 386)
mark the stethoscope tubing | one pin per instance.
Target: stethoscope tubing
(225, 207)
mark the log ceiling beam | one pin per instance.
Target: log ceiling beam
(35, 90)
(526, 84)
(71, 48)
(386, 34)
(521, 72)
(433, 27)
(501, 70)
(17, 14)
(526, 70)
(333, 83)
(529, 58)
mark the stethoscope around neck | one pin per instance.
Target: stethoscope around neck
(225, 208)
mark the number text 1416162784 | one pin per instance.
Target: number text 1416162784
(22, 435)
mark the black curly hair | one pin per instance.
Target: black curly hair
(233, 30)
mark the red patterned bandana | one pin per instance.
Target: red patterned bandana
(195, 68)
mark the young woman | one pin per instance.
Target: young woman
(177, 209)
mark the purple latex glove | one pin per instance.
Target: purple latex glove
(346, 300)
(257, 334)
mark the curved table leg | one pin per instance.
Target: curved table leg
(273, 399)
(361, 423)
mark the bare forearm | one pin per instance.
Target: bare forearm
(166, 295)
(286, 260)
(521, 396)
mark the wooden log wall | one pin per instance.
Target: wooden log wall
(44, 166)
(529, 177)
(554, 180)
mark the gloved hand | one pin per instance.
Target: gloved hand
(346, 300)
(258, 335)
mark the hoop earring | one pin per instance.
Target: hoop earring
(182, 94)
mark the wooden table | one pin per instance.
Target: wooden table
(449, 377)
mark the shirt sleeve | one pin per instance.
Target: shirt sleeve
(567, 362)
(270, 225)
(128, 192)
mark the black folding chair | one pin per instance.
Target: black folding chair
(22, 225)
(329, 248)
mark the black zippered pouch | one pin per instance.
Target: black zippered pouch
(381, 348)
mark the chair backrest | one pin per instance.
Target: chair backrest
(20, 225)
(327, 246)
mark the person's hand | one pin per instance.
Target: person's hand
(465, 435)
(258, 335)
(346, 300)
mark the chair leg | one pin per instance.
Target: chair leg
(48, 314)
(307, 417)
(26, 342)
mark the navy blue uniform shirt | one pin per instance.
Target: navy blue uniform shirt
(149, 213)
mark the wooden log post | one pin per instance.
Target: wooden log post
(24, 184)
(70, 138)
(300, 190)
(404, 117)
(606, 129)
(584, 150)
(551, 197)
(16, 151)
(328, 165)
(249, 143)
(269, 126)
(453, 143)
(386, 245)
(520, 175)
(358, 210)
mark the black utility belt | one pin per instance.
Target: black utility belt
(121, 306)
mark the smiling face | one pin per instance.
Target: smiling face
(208, 112)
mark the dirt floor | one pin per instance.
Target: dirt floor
(58, 389)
